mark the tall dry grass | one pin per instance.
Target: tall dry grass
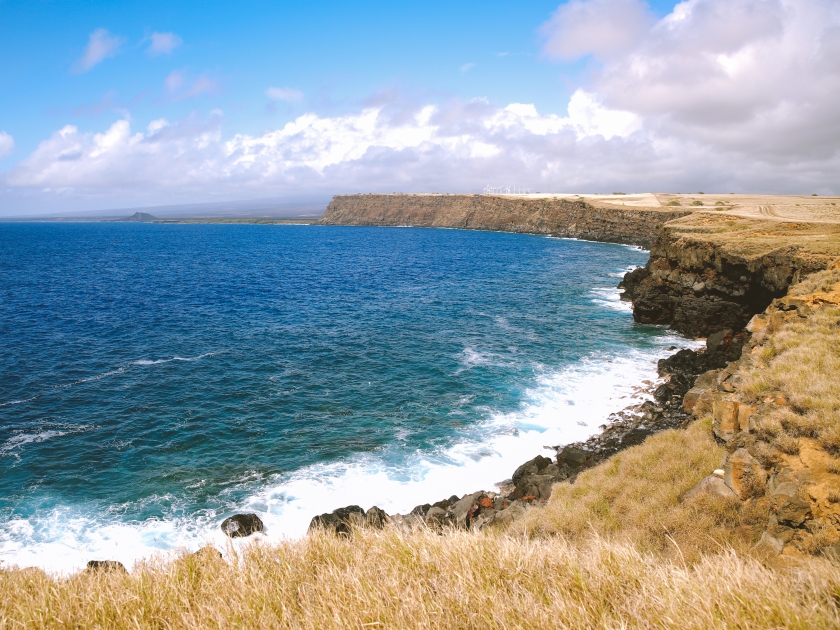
(639, 497)
(391, 579)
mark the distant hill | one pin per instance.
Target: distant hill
(141, 217)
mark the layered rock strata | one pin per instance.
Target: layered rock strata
(708, 272)
(551, 216)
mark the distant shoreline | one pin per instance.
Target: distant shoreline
(258, 221)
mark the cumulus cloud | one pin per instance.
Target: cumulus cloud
(7, 143)
(756, 77)
(735, 96)
(450, 147)
(467, 67)
(598, 27)
(163, 43)
(101, 46)
(284, 94)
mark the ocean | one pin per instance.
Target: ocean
(155, 379)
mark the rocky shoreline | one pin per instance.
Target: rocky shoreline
(531, 483)
(737, 298)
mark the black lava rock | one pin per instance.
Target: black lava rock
(242, 525)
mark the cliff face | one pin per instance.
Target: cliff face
(551, 216)
(709, 272)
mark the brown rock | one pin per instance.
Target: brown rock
(744, 474)
(725, 413)
(789, 506)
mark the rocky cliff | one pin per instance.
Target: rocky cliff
(708, 271)
(553, 216)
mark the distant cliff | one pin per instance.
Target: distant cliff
(551, 216)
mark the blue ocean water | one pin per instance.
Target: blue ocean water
(156, 378)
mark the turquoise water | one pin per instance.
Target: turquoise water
(156, 378)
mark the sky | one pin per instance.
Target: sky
(117, 105)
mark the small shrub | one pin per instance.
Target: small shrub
(719, 203)
(830, 439)
(673, 203)
(788, 444)
(696, 203)
(833, 495)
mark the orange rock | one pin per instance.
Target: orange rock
(486, 502)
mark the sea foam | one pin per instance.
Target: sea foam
(563, 406)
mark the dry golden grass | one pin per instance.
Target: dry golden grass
(800, 361)
(631, 552)
(422, 580)
(638, 497)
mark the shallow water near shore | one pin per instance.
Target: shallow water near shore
(157, 378)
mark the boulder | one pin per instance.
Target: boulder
(340, 521)
(106, 565)
(376, 518)
(531, 467)
(435, 516)
(789, 507)
(768, 547)
(712, 486)
(242, 525)
(420, 510)
(464, 510)
(574, 457)
(744, 474)
(207, 553)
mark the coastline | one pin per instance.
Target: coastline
(734, 278)
(675, 271)
(513, 453)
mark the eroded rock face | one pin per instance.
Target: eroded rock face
(698, 287)
(242, 525)
(797, 486)
(558, 217)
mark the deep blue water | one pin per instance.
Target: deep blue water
(154, 374)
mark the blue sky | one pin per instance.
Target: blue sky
(340, 55)
(225, 69)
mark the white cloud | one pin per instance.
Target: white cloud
(101, 45)
(467, 67)
(284, 94)
(163, 43)
(599, 27)
(734, 96)
(7, 143)
(760, 78)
